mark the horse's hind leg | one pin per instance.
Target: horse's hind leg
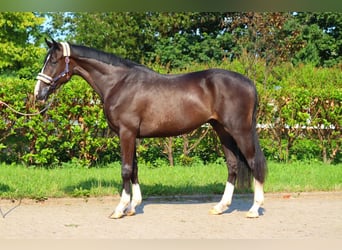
(253, 212)
(250, 148)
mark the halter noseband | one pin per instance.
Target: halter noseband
(51, 81)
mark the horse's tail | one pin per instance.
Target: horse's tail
(244, 174)
(258, 170)
(260, 165)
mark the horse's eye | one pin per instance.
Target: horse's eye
(53, 62)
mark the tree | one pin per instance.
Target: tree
(19, 42)
(322, 33)
(270, 37)
(185, 38)
(177, 39)
(174, 39)
(128, 35)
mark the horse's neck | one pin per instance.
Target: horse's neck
(99, 75)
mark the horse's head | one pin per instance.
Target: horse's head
(55, 71)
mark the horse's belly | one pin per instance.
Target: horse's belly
(170, 126)
(174, 113)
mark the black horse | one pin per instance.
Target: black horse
(139, 102)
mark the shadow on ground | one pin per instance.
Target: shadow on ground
(240, 203)
(165, 194)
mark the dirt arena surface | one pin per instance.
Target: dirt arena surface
(284, 216)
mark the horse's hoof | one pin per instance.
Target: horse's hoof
(130, 212)
(252, 214)
(214, 211)
(116, 215)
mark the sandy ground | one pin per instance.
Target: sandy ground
(284, 216)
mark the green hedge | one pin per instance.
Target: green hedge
(304, 106)
(299, 116)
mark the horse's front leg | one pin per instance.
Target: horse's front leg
(136, 196)
(231, 162)
(127, 143)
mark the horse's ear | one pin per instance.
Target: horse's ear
(55, 44)
(52, 43)
(49, 44)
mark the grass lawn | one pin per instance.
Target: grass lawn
(37, 183)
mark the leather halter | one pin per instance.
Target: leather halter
(52, 81)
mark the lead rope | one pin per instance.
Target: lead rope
(28, 114)
(4, 214)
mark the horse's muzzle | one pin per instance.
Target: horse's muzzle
(41, 91)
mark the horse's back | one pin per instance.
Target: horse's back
(225, 86)
(224, 81)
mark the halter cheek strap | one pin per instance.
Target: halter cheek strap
(49, 80)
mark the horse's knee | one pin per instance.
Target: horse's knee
(126, 171)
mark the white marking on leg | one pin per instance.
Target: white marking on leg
(124, 203)
(136, 199)
(258, 200)
(258, 192)
(225, 201)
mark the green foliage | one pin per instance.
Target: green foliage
(323, 35)
(178, 39)
(175, 40)
(19, 34)
(183, 49)
(73, 127)
(305, 103)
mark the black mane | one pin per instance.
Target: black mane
(105, 57)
